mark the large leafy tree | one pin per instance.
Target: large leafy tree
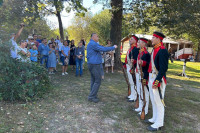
(82, 27)
(19, 80)
(14, 12)
(28, 11)
(116, 9)
(55, 7)
(100, 24)
(178, 19)
(116, 25)
(183, 17)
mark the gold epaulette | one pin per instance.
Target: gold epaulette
(157, 45)
(141, 50)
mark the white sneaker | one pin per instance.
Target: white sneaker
(66, 73)
(138, 110)
(152, 120)
(141, 112)
(63, 74)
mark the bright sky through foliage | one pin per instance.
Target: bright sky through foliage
(67, 17)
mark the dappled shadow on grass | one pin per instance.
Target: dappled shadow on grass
(115, 113)
(192, 68)
(193, 79)
(182, 109)
(66, 108)
(183, 82)
(114, 106)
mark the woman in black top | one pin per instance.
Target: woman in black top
(83, 42)
(72, 55)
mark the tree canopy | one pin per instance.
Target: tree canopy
(82, 27)
(178, 19)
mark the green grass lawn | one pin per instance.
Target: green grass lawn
(66, 108)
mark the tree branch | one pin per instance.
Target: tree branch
(50, 11)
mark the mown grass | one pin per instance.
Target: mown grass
(66, 108)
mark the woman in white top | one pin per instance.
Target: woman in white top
(23, 53)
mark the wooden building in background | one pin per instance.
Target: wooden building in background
(180, 49)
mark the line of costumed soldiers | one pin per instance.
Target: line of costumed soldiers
(147, 77)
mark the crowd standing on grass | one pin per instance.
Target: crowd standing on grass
(51, 52)
(146, 73)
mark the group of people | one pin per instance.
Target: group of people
(146, 72)
(147, 77)
(49, 53)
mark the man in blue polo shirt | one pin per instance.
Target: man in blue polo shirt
(94, 59)
(43, 50)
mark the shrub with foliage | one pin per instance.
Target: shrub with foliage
(20, 80)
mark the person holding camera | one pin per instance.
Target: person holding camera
(13, 39)
(79, 53)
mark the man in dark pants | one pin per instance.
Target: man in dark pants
(43, 50)
(94, 60)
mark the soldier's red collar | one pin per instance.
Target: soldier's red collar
(133, 45)
(158, 45)
(143, 49)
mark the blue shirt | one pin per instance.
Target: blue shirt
(65, 49)
(80, 51)
(38, 40)
(57, 41)
(34, 54)
(43, 49)
(13, 49)
(94, 52)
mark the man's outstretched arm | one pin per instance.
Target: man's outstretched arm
(19, 32)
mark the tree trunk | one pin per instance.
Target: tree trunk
(60, 25)
(198, 53)
(116, 27)
(59, 19)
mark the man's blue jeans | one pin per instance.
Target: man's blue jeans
(95, 71)
(102, 71)
(44, 59)
(79, 63)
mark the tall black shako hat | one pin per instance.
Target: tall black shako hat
(159, 35)
(144, 40)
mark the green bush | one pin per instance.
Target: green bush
(20, 80)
